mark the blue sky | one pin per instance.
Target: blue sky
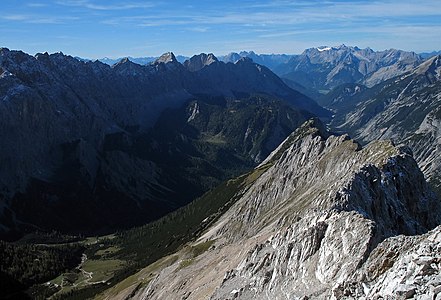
(95, 29)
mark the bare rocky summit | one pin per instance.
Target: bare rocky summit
(197, 62)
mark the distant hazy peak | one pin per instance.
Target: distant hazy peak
(125, 64)
(247, 53)
(123, 61)
(232, 57)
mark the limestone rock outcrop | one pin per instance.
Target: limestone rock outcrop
(327, 219)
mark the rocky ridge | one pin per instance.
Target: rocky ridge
(324, 220)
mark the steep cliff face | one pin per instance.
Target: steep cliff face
(311, 225)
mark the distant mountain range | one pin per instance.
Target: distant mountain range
(270, 61)
(138, 60)
(85, 143)
(323, 68)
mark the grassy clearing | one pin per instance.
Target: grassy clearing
(97, 239)
(102, 270)
(191, 252)
(185, 263)
(256, 173)
(108, 251)
(214, 139)
(200, 248)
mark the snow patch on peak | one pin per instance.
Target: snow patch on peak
(321, 49)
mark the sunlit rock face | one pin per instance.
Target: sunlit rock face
(325, 220)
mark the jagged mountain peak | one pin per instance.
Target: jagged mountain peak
(166, 58)
(44, 55)
(197, 62)
(126, 67)
(124, 63)
(270, 61)
(124, 60)
(247, 53)
(167, 62)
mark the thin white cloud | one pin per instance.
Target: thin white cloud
(35, 4)
(15, 17)
(36, 19)
(45, 21)
(295, 32)
(198, 29)
(288, 13)
(120, 6)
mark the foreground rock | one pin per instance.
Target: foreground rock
(324, 220)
